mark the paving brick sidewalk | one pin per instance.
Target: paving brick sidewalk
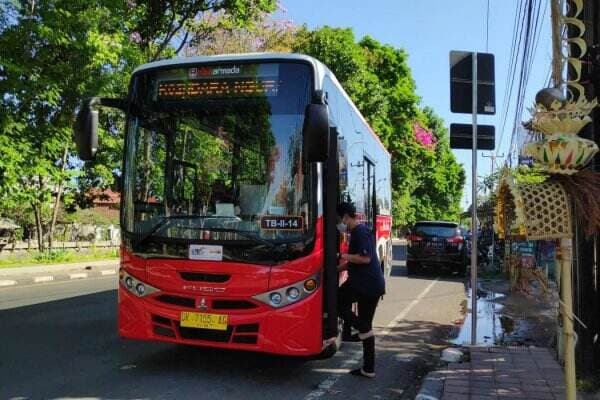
(505, 373)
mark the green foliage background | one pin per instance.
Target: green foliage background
(57, 52)
(427, 184)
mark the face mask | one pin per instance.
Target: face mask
(342, 227)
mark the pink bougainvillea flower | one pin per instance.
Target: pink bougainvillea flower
(424, 137)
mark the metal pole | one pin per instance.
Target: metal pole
(493, 236)
(474, 211)
(556, 7)
(567, 317)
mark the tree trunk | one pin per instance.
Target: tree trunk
(38, 225)
(39, 215)
(58, 197)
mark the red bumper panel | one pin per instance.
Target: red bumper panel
(292, 330)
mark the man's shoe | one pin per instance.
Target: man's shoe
(363, 373)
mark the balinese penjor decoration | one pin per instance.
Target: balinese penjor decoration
(560, 151)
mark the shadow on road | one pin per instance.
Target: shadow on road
(70, 349)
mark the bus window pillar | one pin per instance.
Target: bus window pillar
(330, 274)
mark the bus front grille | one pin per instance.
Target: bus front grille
(245, 339)
(176, 300)
(209, 335)
(203, 277)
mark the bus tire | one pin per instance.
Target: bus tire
(412, 268)
(330, 350)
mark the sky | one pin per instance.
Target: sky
(428, 30)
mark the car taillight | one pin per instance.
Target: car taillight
(414, 238)
(455, 240)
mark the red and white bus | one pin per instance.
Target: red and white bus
(232, 169)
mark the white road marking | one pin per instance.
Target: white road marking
(325, 386)
(79, 275)
(40, 279)
(396, 321)
(7, 282)
(108, 272)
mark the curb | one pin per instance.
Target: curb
(105, 272)
(59, 275)
(41, 279)
(55, 268)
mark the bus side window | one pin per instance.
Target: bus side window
(370, 194)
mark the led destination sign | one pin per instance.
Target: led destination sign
(241, 87)
(218, 82)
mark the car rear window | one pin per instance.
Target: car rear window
(435, 230)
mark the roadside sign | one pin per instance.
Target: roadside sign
(472, 92)
(461, 83)
(461, 136)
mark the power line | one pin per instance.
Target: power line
(531, 35)
(518, 23)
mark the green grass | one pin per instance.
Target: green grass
(58, 257)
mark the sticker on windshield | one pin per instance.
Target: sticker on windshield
(206, 252)
(282, 223)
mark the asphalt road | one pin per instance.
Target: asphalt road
(66, 347)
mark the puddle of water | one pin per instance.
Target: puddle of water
(489, 321)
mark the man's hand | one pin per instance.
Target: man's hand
(355, 258)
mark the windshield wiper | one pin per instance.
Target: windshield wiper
(246, 234)
(165, 220)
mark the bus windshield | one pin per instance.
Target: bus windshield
(214, 155)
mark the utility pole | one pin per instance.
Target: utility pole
(492, 157)
(556, 7)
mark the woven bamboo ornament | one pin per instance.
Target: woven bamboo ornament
(539, 211)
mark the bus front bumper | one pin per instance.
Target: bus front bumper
(294, 330)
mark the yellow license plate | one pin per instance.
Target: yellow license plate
(203, 321)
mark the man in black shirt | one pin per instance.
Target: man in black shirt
(365, 284)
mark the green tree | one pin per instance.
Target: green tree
(52, 53)
(155, 30)
(215, 34)
(427, 183)
(56, 52)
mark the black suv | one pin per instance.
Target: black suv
(436, 245)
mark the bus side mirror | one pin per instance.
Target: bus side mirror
(316, 133)
(86, 129)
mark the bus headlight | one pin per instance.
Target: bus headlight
(135, 286)
(140, 289)
(290, 294)
(129, 282)
(293, 293)
(275, 298)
